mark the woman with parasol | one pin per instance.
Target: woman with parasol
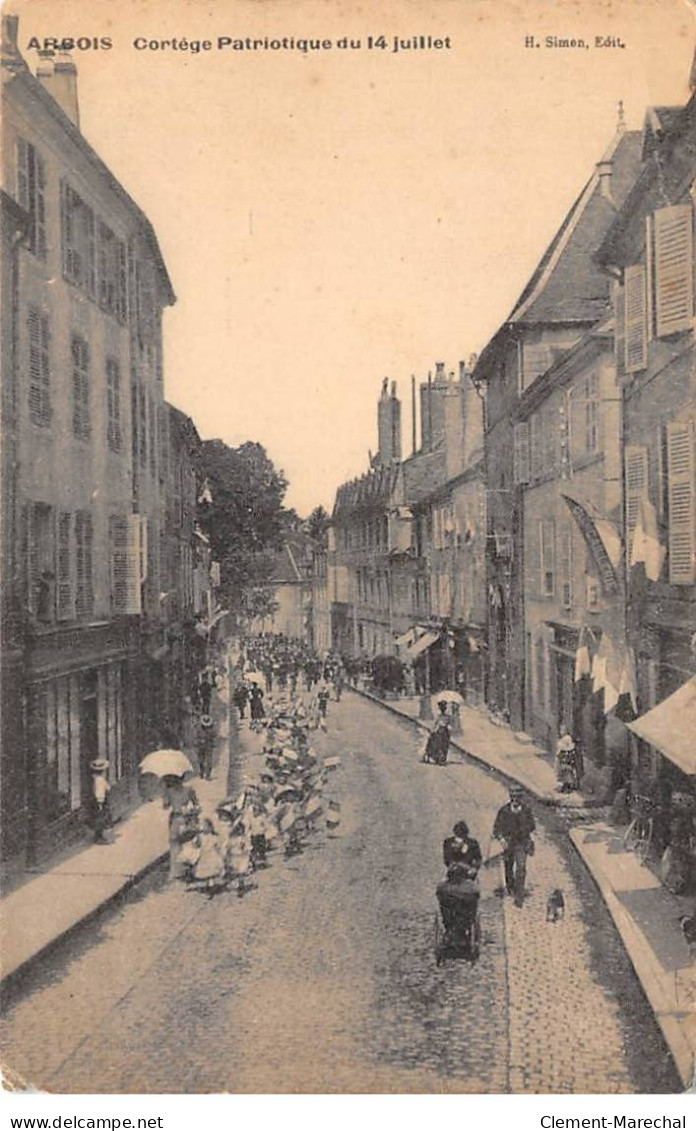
(172, 767)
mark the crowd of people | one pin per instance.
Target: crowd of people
(278, 809)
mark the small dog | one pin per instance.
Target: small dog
(555, 906)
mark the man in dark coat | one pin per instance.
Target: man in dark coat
(514, 825)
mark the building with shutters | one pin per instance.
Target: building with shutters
(566, 296)
(568, 467)
(85, 500)
(649, 252)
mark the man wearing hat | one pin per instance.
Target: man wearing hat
(514, 825)
(100, 817)
(205, 747)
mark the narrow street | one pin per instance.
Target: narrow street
(323, 979)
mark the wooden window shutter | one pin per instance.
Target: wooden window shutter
(122, 309)
(636, 487)
(636, 342)
(619, 301)
(144, 548)
(521, 452)
(133, 574)
(535, 453)
(40, 208)
(674, 284)
(567, 567)
(118, 539)
(680, 466)
(650, 276)
(39, 368)
(23, 173)
(84, 591)
(66, 231)
(32, 554)
(64, 591)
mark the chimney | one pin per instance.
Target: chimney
(604, 169)
(58, 74)
(388, 425)
(414, 439)
(432, 404)
(473, 413)
(453, 421)
(11, 58)
(425, 402)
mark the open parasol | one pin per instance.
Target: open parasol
(166, 763)
(447, 697)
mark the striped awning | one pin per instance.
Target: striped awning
(420, 645)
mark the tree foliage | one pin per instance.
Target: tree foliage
(317, 525)
(245, 521)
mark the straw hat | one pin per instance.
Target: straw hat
(99, 764)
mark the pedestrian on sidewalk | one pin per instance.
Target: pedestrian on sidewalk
(206, 741)
(257, 709)
(514, 825)
(437, 746)
(241, 698)
(100, 813)
(568, 766)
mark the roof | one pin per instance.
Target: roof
(21, 76)
(288, 563)
(568, 286)
(371, 490)
(671, 726)
(664, 179)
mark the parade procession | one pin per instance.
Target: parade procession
(348, 694)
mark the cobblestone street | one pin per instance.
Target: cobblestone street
(323, 979)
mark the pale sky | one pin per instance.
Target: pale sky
(334, 218)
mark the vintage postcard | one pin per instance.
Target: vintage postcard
(348, 547)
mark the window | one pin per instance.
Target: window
(81, 409)
(84, 592)
(40, 560)
(54, 711)
(551, 439)
(521, 453)
(153, 439)
(535, 451)
(636, 326)
(79, 258)
(39, 368)
(113, 405)
(135, 420)
(111, 272)
(636, 487)
(111, 719)
(31, 185)
(591, 592)
(566, 565)
(142, 426)
(673, 267)
(619, 303)
(540, 672)
(682, 497)
(591, 413)
(547, 556)
(145, 300)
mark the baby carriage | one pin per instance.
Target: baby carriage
(457, 929)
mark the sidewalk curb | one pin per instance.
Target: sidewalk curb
(10, 983)
(552, 800)
(647, 973)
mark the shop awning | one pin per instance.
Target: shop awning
(671, 726)
(420, 645)
(406, 638)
